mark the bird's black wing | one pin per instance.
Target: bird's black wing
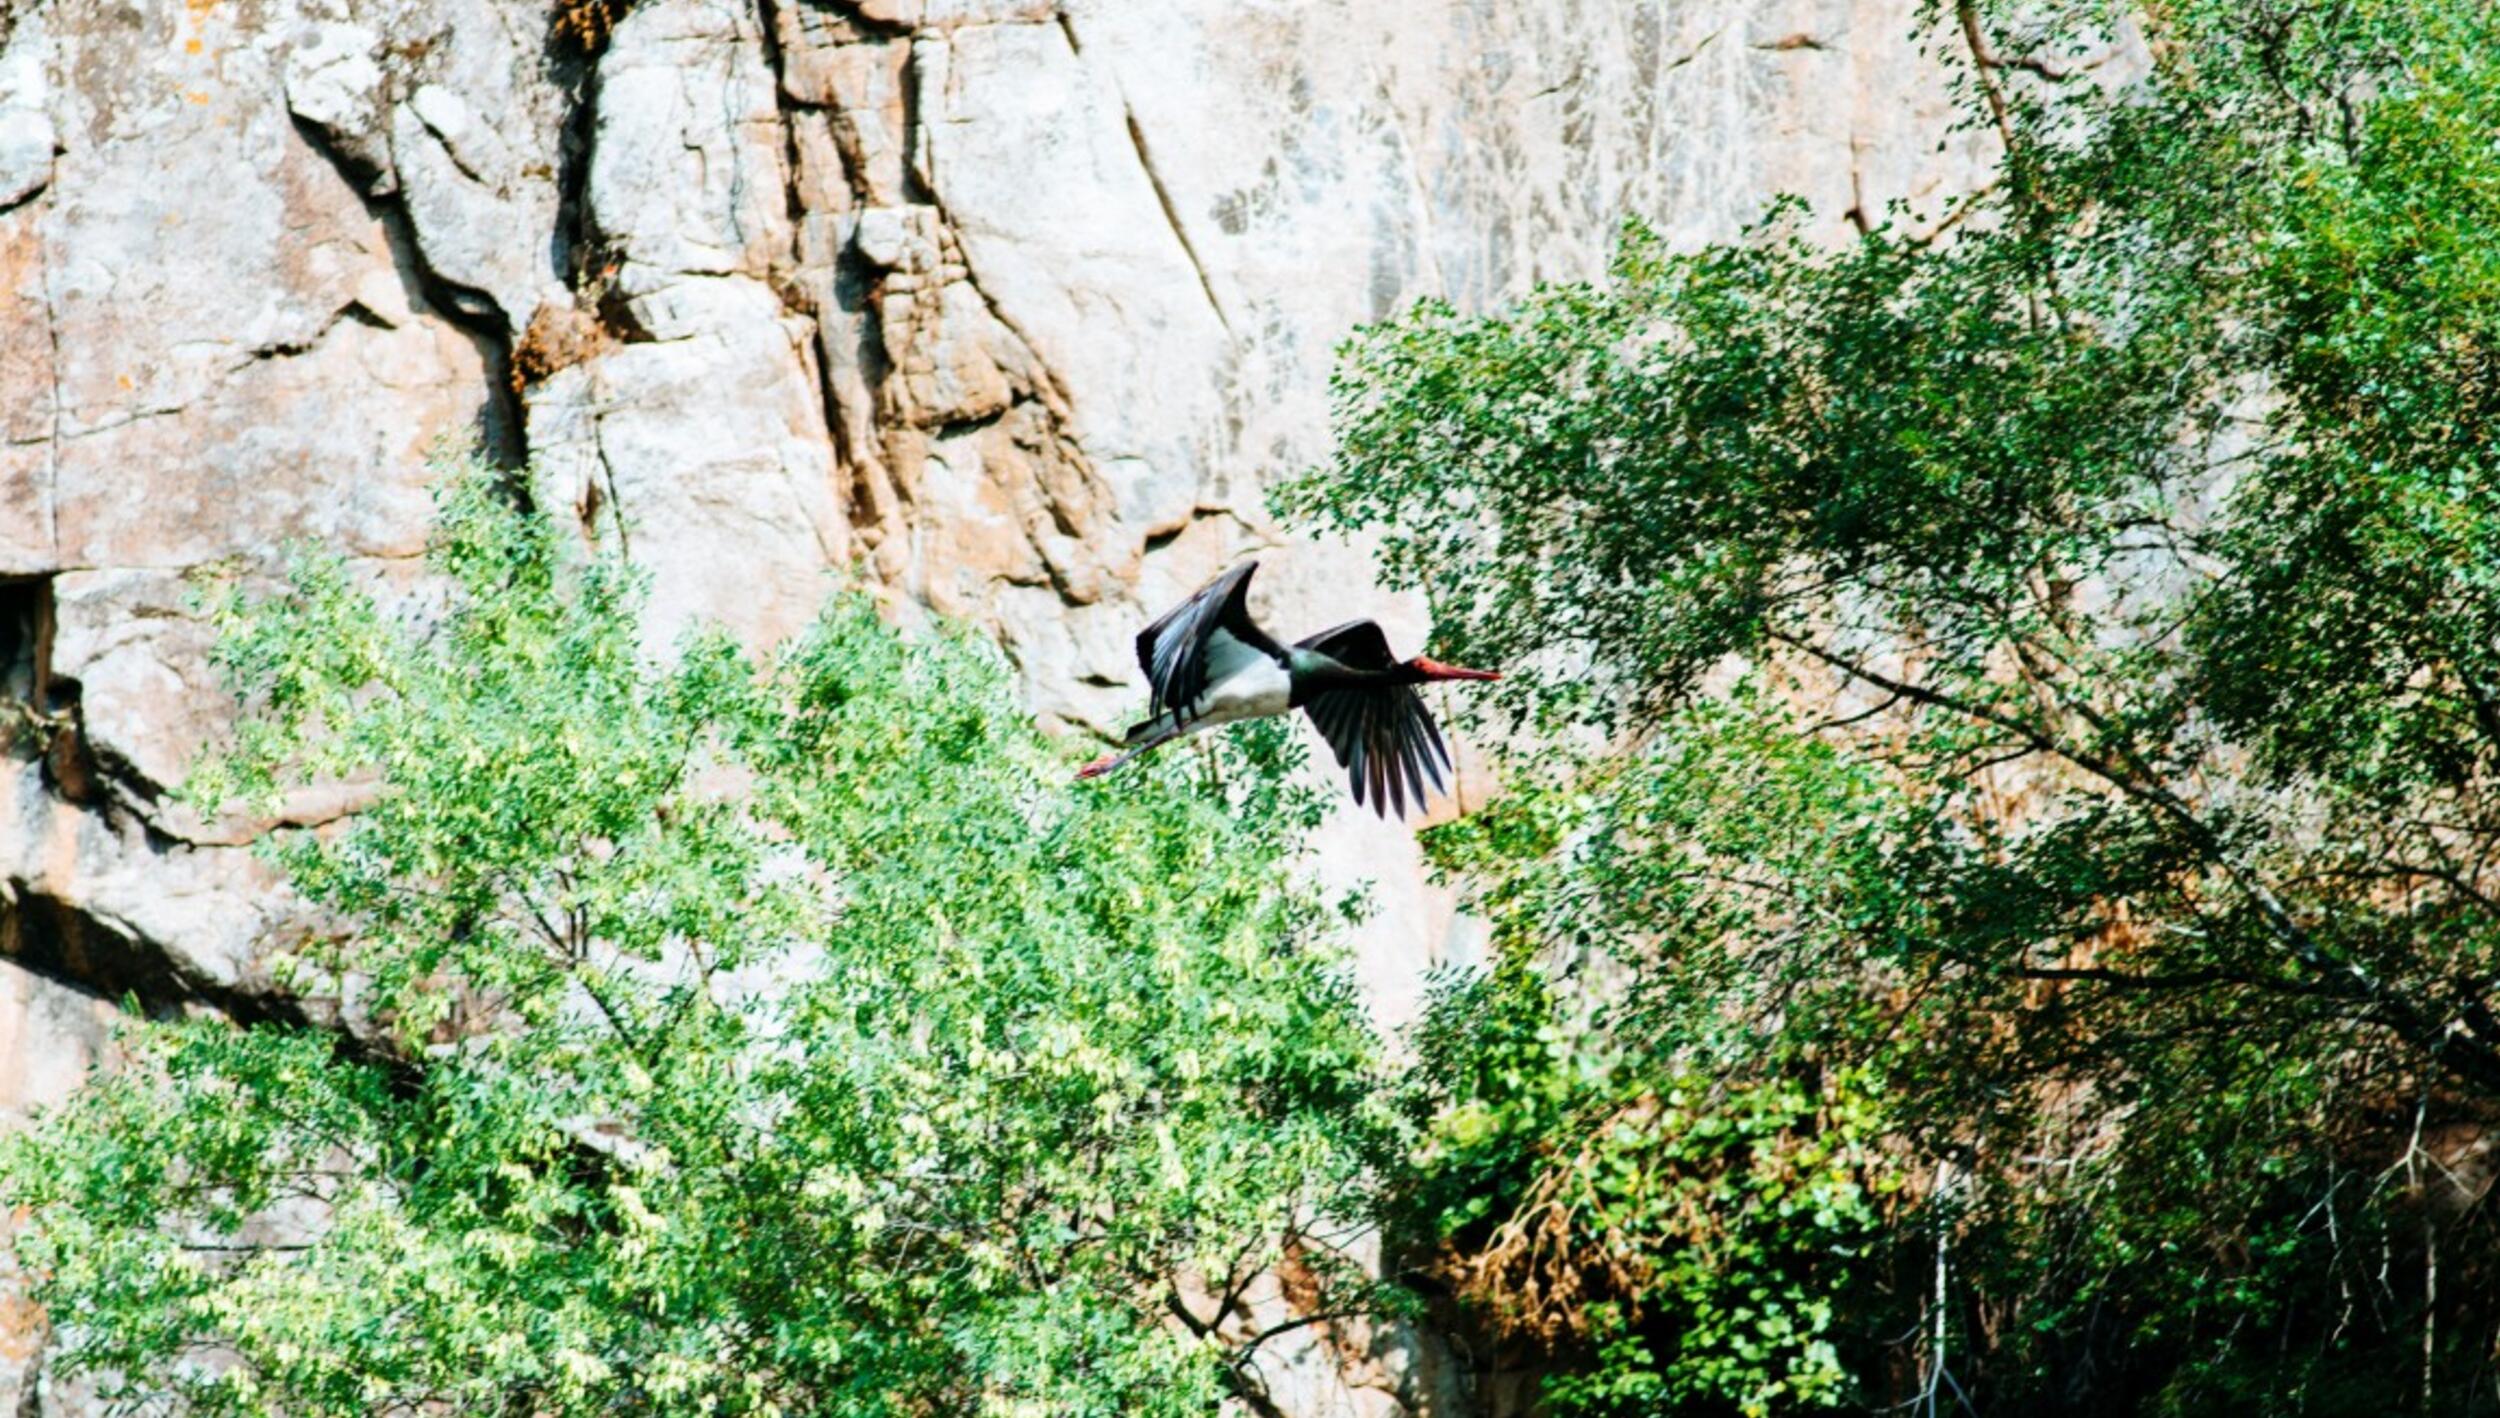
(1357, 645)
(1173, 650)
(1383, 735)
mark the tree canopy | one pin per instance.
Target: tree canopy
(2018, 687)
(743, 1036)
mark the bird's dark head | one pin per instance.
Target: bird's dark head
(1433, 669)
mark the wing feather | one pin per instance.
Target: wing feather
(1174, 650)
(1357, 644)
(1386, 741)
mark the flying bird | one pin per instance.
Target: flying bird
(1207, 663)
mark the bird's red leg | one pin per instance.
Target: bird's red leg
(1160, 734)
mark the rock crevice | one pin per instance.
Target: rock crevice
(500, 430)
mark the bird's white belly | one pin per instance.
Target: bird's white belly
(1258, 689)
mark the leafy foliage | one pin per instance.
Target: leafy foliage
(1741, 1211)
(745, 1037)
(2036, 660)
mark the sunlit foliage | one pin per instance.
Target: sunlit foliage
(738, 1036)
(2029, 670)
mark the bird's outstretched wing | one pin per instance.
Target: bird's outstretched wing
(1357, 645)
(1383, 735)
(1176, 651)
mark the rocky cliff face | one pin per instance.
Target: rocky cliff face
(1015, 305)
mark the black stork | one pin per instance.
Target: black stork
(1207, 663)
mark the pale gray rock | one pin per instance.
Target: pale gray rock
(699, 441)
(333, 80)
(28, 453)
(1034, 159)
(955, 14)
(866, 85)
(188, 923)
(127, 638)
(27, 139)
(707, 459)
(50, 1036)
(686, 173)
(899, 238)
(467, 201)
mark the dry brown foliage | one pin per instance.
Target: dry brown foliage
(586, 24)
(558, 337)
(1539, 1274)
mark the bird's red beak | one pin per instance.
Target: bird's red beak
(1434, 669)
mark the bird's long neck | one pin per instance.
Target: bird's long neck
(1314, 673)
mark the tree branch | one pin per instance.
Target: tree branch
(2478, 1062)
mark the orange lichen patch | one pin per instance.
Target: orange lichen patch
(192, 46)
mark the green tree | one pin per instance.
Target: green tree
(2034, 668)
(744, 1037)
